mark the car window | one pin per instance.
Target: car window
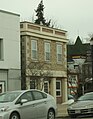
(38, 95)
(86, 97)
(27, 96)
(44, 95)
(9, 96)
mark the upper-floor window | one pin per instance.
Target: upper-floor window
(59, 53)
(1, 49)
(34, 49)
(47, 51)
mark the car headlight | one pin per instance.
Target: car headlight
(3, 109)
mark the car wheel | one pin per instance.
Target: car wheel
(14, 116)
(51, 114)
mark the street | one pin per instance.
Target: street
(83, 117)
(75, 118)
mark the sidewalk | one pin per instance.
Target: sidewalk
(62, 110)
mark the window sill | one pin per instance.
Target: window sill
(46, 61)
(59, 63)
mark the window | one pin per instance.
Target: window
(1, 49)
(27, 96)
(46, 86)
(32, 84)
(59, 53)
(33, 49)
(47, 51)
(58, 88)
(39, 95)
(72, 80)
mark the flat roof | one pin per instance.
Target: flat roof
(8, 12)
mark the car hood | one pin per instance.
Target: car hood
(82, 104)
(69, 102)
(6, 104)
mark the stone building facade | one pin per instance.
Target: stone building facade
(44, 59)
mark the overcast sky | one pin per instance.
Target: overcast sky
(74, 16)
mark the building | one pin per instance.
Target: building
(9, 51)
(87, 68)
(43, 58)
(77, 61)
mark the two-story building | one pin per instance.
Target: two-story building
(10, 76)
(44, 59)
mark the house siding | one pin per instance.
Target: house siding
(10, 34)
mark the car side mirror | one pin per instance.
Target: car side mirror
(23, 101)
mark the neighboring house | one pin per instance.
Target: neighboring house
(87, 68)
(77, 54)
(43, 58)
(10, 78)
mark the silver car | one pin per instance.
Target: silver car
(83, 106)
(27, 104)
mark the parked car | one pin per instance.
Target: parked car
(27, 104)
(70, 100)
(83, 106)
(70, 97)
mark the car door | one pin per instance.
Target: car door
(40, 104)
(27, 109)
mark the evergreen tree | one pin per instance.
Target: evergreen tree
(40, 15)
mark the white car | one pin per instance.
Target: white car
(83, 106)
(27, 104)
(70, 100)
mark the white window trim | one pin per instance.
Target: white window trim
(2, 83)
(45, 51)
(59, 44)
(1, 50)
(59, 89)
(48, 85)
(34, 49)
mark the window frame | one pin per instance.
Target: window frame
(34, 49)
(47, 44)
(1, 49)
(46, 82)
(58, 90)
(59, 53)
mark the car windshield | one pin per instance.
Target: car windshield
(86, 97)
(9, 96)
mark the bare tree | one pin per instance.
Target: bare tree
(38, 74)
(70, 42)
(90, 35)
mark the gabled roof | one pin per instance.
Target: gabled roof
(77, 49)
(78, 41)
